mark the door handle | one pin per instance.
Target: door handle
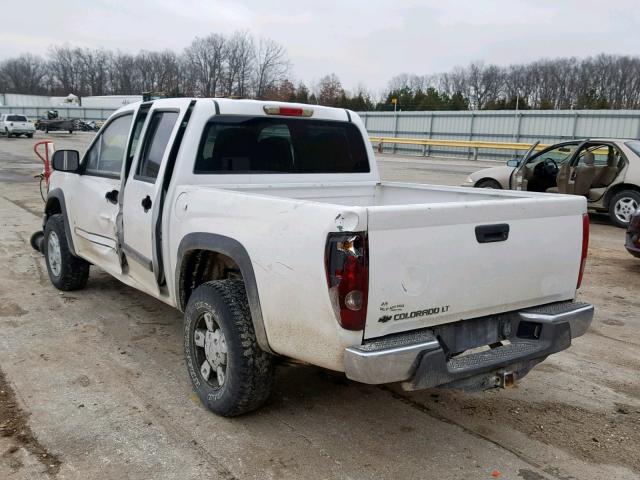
(112, 196)
(146, 203)
(492, 233)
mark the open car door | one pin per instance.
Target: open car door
(517, 172)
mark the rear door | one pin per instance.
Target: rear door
(473, 256)
(140, 206)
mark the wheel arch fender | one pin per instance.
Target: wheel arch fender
(56, 204)
(615, 189)
(233, 249)
(484, 179)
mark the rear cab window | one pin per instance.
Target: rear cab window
(16, 118)
(254, 145)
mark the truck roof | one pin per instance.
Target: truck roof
(229, 106)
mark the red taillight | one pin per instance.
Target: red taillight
(348, 277)
(585, 247)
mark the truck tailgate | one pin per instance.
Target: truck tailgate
(428, 265)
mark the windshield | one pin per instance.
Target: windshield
(245, 145)
(634, 146)
(16, 118)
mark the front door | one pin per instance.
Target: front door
(93, 197)
(140, 202)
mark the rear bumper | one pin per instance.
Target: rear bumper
(419, 359)
(21, 131)
(633, 244)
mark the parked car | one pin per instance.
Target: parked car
(13, 125)
(268, 225)
(633, 235)
(605, 171)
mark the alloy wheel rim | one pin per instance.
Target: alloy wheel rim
(625, 208)
(211, 350)
(54, 254)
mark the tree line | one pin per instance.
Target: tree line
(242, 66)
(216, 65)
(600, 82)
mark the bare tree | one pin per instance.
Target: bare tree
(65, 66)
(239, 56)
(93, 74)
(271, 66)
(205, 58)
(330, 90)
(23, 74)
(123, 78)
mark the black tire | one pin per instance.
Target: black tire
(249, 371)
(30, 135)
(67, 272)
(489, 183)
(623, 200)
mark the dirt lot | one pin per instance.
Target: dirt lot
(93, 385)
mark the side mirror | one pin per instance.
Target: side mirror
(514, 162)
(66, 161)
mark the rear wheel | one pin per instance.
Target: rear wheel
(66, 271)
(230, 373)
(488, 183)
(622, 207)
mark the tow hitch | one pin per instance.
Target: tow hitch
(506, 380)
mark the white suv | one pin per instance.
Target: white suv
(16, 125)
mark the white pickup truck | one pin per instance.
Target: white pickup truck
(268, 225)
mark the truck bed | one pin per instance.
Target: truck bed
(382, 194)
(427, 265)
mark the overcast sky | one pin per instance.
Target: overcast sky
(364, 42)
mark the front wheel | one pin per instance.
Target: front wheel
(66, 271)
(488, 183)
(230, 373)
(622, 207)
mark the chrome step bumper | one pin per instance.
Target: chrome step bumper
(420, 360)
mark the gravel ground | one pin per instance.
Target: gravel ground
(92, 383)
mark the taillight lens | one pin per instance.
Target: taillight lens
(347, 267)
(287, 111)
(585, 247)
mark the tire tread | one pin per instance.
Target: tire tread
(256, 368)
(75, 270)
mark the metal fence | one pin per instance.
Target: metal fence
(548, 126)
(83, 113)
(524, 126)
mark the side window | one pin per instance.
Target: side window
(135, 135)
(560, 155)
(105, 156)
(155, 143)
(600, 155)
